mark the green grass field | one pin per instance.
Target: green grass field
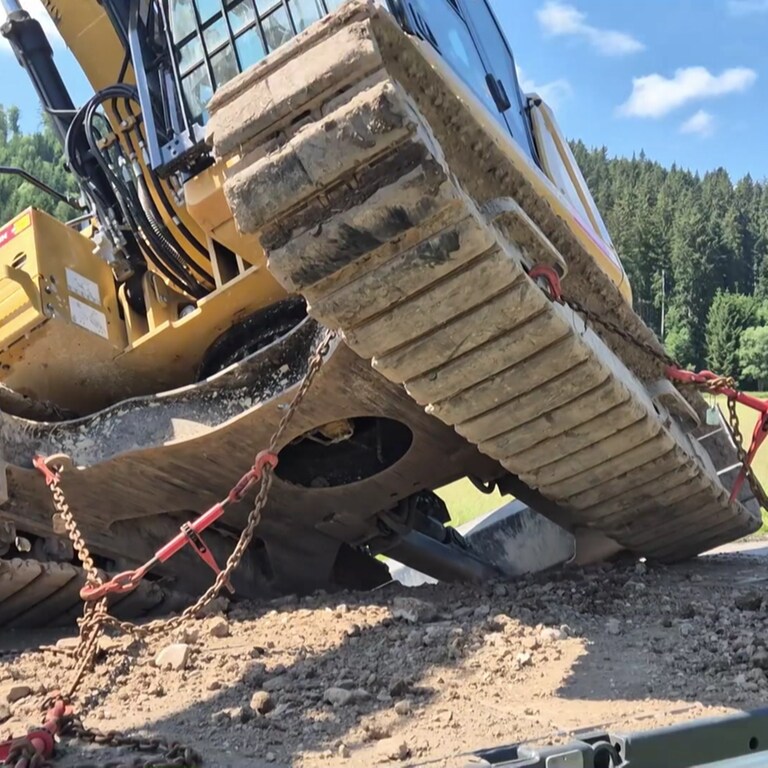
(465, 502)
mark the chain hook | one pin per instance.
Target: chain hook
(253, 475)
(40, 463)
(52, 466)
(121, 584)
(547, 278)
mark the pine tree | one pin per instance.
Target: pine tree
(729, 316)
(753, 354)
(38, 153)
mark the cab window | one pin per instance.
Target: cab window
(466, 35)
(440, 23)
(215, 40)
(500, 61)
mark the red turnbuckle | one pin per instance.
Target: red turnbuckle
(190, 534)
(719, 385)
(39, 463)
(548, 279)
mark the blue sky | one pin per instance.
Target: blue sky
(684, 80)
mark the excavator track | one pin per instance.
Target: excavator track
(47, 594)
(383, 194)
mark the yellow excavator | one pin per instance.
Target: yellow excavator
(253, 173)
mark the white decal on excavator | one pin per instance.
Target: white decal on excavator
(88, 317)
(83, 287)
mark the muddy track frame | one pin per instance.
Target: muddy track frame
(376, 182)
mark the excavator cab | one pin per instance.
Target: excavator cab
(196, 46)
(179, 53)
(213, 42)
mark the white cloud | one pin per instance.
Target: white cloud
(37, 11)
(656, 95)
(554, 92)
(560, 20)
(747, 7)
(701, 123)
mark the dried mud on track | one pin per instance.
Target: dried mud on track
(359, 680)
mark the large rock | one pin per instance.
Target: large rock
(173, 656)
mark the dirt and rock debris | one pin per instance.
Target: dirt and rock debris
(423, 675)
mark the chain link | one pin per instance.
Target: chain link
(174, 761)
(96, 617)
(83, 553)
(734, 427)
(172, 754)
(89, 624)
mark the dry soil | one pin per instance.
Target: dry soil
(422, 676)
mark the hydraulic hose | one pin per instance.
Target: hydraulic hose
(147, 211)
(168, 249)
(136, 205)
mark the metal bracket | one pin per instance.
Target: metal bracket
(505, 213)
(664, 393)
(733, 741)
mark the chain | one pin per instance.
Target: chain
(96, 617)
(734, 427)
(175, 759)
(24, 753)
(644, 346)
(90, 623)
(711, 386)
(254, 518)
(754, 483)
(83, 553)
(173, 754)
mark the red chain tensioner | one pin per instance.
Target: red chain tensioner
(549, 280)
(190, 532)
(43, 466)
(38, 745)
(717, 385)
